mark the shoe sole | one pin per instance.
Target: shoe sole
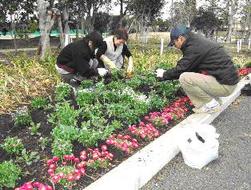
(209, 111)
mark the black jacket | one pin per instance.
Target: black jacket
(203, 55)
(75, 58)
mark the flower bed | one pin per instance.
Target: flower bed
(70, 140)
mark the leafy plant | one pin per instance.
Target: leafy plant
(126, 113)
(116, 85)
(97, 129)
(89, 137)
(62, 91)
(134, 82)
(61, 147)
(248, 64)
(28, 157)
(64, 115)
(9, 174)
(34, 128)
(166, 89)
(39, 103)
(149, 79)
(108, 96)
(156, 102)
(44, 141)
(64, 132)
(22, 118)
(85, 97)
(13, 145)
(86, 84)
(117, 75)
(92, 111)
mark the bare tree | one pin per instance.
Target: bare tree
(232, 6)
(87, 10)
(47, 18)
(247, 19)
(183, 12)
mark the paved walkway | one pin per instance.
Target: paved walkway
(232, 171)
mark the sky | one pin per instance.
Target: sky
(166, 9)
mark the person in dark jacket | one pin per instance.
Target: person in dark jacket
(205, 72)
(76, 61)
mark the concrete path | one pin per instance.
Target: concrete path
(233, 168)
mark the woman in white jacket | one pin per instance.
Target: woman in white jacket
(113, 51)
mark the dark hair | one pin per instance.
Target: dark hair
(95, 37)
(121, 34)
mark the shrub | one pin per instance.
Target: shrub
(62, 92)
(9, 174)
(61, 147)
(23, 119)
(13, 145)
(39, 103)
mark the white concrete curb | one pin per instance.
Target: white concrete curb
(137, 170)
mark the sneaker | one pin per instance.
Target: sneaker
(211, 107)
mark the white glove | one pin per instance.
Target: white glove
(160, 72)
(102, 71)
(130, 65)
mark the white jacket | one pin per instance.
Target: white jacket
(114, 55)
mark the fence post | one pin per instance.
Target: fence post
(249, 43)
(66, 39)
(240, 43)
(161, 46)
(238, 46)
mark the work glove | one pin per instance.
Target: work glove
(160, 73)
(102, 71)
(108, 62)
(130, 66)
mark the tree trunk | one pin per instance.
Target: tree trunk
(13, 34)
(61, 31)
(66, 20)
(42, 13)
(77, 30)
(82, 23)
(88, 24)
(231, 11)
(248, 21)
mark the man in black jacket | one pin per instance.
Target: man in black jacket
(76, 61)
(205, 71)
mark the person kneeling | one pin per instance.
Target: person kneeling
(205, 72)
(76, 61)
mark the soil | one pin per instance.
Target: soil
(38, 170)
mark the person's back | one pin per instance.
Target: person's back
(72, 54)
(212, 59)
(76, 60)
